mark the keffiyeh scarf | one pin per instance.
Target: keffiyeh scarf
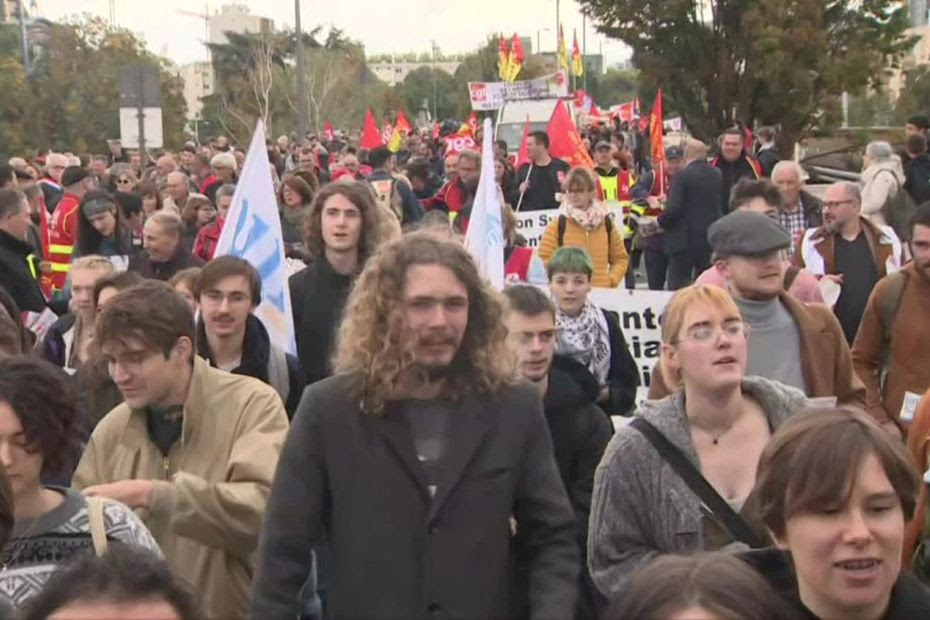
(585, 339)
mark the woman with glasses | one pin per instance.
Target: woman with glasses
(121, 178)
(710, 432)
(585, 222)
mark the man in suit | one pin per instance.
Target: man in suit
(693, 205)
(427, 468)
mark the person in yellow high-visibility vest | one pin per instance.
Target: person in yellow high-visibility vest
(616, 186)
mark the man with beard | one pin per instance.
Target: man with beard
(580, 430)
(458, 193)
(891, 346)
(232, 338)
(851, 251)
(415, 457)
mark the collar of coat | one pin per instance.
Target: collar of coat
(872, 232)
(136, 434)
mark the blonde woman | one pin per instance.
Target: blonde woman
(717, 421)
(585, 222)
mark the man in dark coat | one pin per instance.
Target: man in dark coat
(580, 429)
(734, 163)
(18, 268)
(430, 471)
(693, 205)
(232, 338)
(164, 254)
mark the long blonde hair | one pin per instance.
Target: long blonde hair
(370, 341)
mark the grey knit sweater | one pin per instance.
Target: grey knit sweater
(640, 507)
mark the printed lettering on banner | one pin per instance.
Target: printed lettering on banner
(532, 224)
(639, 313)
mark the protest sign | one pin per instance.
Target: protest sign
(492, 95)
(532, 224)
(639, 313)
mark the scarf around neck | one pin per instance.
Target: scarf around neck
(589, 218)
(586, 339)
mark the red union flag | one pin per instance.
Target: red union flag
(458, 142)
(565, 141)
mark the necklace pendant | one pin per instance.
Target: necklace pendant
(716, 440)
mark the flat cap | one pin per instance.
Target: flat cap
(674, 152)
(72, 175)
(746, 233)
(602, 145)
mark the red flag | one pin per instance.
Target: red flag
(436, 130)
(503, 60)
(328, 130)
(565, 141)
(371, 137)
(517, 57)
(473, 122)
(656, 139)
(523, 155)
(402, 124)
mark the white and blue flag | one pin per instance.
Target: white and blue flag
(253, 231)
(485, 236)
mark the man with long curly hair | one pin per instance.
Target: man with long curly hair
(417, 456)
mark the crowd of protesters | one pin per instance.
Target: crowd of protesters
(438, 449)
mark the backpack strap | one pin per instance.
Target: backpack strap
(888, 308)
(734, 524)
(791, 273)
(98, 529)
(277, 372)
(563, 222)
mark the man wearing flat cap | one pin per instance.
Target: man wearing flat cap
(75, 182)
(797, 344)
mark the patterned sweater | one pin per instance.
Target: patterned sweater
(42, 545)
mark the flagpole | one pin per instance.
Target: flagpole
(584, 50)
(526, 180)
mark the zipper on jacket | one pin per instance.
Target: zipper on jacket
(167, 464)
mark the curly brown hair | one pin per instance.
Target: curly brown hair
(362, 197)
(369, 341)
(43, 398)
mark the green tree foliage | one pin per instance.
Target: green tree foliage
(422, 84)
(256, 77)
(722, 62)
(615, 86)
(70, 100)
(915, 96)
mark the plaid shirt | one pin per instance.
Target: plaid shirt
(795, 223)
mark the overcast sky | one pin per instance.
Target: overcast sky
(384, 26)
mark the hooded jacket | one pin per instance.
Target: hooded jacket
(211, 490)
(640, 507)
(256, 353)
(881, 181)
(17, 266)
(580, 432)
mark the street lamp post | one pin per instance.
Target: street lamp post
(22, 31)
(301, 78)
(538, 41)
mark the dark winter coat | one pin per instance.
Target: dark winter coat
(398, 552)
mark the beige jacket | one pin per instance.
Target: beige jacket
(211, 490)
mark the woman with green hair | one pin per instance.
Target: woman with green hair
(590, 335)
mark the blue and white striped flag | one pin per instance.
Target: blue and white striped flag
(253, 231)
(485, 236)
